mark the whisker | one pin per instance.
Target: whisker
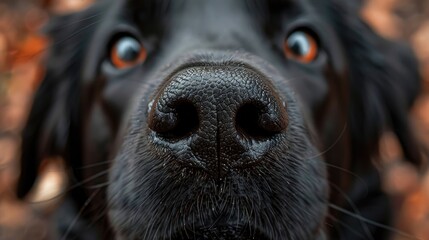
(350, 228)
(101, 185)
(333, 144)
(354, 208)
(87, 202)
(357, 177)
(71, 188)
(94, 165)
(62, 41)
(70, 23)
(376, 224)
(76, 33)
(100, 216)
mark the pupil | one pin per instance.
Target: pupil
(128, 49)
(297, 49)
(298, 44)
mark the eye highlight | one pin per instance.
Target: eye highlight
(127, 52)
(301, 46)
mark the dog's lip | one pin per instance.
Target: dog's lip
(226, 231)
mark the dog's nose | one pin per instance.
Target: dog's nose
(217, 117)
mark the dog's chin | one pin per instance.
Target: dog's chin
(225, 232)
(233, 231)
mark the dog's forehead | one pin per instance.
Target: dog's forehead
(214, 12)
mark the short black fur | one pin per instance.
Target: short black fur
(337, 108)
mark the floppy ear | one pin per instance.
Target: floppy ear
(52, 122)
(384, 82)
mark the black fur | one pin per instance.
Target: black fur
(337, 108)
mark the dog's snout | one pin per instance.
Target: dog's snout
(221, 116)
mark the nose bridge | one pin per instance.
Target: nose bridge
(206, 24)
(210, 14)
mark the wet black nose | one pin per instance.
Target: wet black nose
(218, 118)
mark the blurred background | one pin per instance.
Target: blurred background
(22, 50)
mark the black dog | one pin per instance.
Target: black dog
(222, 119)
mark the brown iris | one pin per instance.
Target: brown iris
(301, 46)
(127, 52)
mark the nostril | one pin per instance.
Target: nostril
(253, 120)
(187, 120)
(180, 122)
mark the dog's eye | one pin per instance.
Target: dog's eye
(301, 46)
(127, 52)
